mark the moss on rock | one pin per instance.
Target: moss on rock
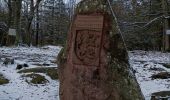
(3, 80)
(50, 71)
(35, 79)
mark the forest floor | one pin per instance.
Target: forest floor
(38, 80)
(152, 70)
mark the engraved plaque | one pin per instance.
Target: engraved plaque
(89, 22)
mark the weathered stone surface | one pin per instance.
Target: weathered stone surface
(84, 76)
(87, 41)
(94, 63)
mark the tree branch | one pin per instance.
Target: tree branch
(153, 20)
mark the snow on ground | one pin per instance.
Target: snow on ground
(150, 56)
(143, 63)
(32, 55)
(18, 88)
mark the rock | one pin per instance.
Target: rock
(145, 65)
(162, 75)
(44, 64)
(19, 67)
(25, 65)
(36, 79)
(156, 69)
(8, 61)
(12, 61)
(1, 60)
(94, 63)
(22, 45)
(166, 65)
(3, 80)
(163, 95)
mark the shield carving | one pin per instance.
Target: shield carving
(87, 47)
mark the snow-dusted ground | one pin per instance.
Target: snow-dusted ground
(32, 55)
(143, 63)
(18, 88)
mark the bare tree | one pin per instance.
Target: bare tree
(9, 5)
(17, 16)
(29, 19)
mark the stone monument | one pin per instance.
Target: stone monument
(94, 64)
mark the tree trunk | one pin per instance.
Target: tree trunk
(37, 28)
(33, 7)
(166, 38)
(94, 64)
(18, 5)
(9, 13)
(134, 5)
(28, 33)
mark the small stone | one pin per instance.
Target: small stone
(46, 64)
(162, 75)
(19, 67)
(12, 61)
(162, 95)
(8, 61)
(25, 65)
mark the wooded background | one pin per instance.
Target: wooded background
(40, 22)
(37, 22)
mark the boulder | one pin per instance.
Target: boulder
(162, 95)
(94, 63)
(161, 75)
(25, 65)
(19, 67)
(8, 61)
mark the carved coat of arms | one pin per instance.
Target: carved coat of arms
(87, 41)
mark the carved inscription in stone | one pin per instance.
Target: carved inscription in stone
(87, 41)
(87, 47)
(89, 22)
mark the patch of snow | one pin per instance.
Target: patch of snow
(151, 56)
(143, 62)
(31, 55)
(18, 88)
